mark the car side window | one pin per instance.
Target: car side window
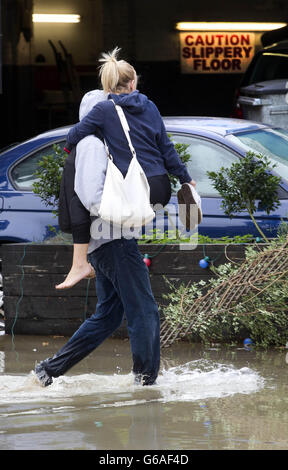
(23, 174)
(205, 156)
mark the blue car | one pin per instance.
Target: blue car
(213, 143)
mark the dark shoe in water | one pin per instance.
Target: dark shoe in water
(148, 380)
(44, 378)
(144, 380)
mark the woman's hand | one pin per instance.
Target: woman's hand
(193, 183)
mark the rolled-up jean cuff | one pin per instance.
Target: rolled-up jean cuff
(81, 233)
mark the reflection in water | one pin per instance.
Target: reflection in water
(205, 398)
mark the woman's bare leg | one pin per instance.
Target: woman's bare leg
(80, 267)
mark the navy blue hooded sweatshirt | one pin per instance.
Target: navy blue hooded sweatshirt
(155, 151)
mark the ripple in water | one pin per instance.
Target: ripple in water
(192, 381)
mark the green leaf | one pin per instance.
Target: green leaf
(49, 173)
(247, 184)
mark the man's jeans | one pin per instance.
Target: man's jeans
(122, 285)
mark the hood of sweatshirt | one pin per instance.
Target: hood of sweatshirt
(134, 102)
(89, 100)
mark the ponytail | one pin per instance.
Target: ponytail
(115, 74)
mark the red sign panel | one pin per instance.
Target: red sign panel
(216, 52)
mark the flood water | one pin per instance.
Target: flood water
(205, 398)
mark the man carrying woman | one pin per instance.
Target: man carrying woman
(122, 278)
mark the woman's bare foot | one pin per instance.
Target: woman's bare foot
(76, 274)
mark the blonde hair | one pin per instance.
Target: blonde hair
(115, 74)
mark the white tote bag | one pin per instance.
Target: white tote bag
(126, 201)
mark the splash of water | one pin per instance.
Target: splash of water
(196, 380)
(207, 379)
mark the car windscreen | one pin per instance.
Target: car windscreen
(273, 143)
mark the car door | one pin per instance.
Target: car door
(25, 217)
(210, 155)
